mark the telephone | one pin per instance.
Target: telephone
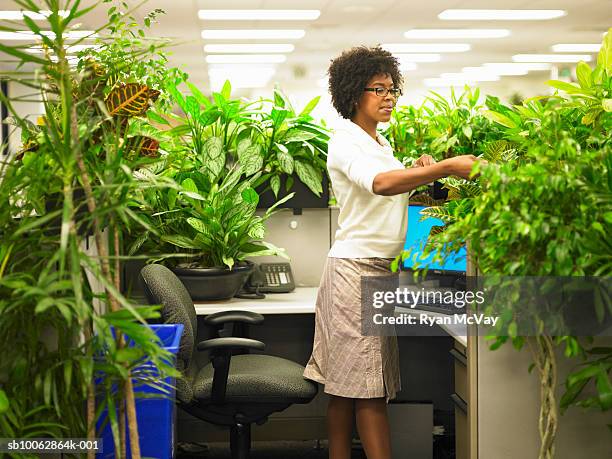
(268, 278)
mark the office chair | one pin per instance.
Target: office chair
(233, 390)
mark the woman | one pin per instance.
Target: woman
(361, 373)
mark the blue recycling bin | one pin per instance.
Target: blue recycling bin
(155, 410)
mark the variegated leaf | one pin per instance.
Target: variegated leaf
(132, 99)
(441, 213)
(213, 156)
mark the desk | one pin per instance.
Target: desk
(288, 333)
(302, 301)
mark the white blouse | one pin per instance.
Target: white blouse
(369, 225)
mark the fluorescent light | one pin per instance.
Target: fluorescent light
(424, 57)
(240, 75)
(249, 48)
(69, 49)
(551, 57)
(510, 66)
(18, 15)
(28, 35)
(469, 77)
(426, 47)
(576, 48)
(493, 71)
(441, 82)
(246, 58)
(217, 84)
(407, 66)
(500, 15)
(254, 34)
(456, 33)
(241, 69)
(264, 15)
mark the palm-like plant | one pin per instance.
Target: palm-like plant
(58, 300)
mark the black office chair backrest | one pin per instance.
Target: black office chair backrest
(161, 286)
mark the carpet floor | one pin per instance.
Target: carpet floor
(261, 450)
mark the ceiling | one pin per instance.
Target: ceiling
(346, 23)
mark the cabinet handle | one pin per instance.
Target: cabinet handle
(459, 403)
(459, 357)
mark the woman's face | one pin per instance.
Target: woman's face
(374, 107)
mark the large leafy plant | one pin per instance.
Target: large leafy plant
(440, 128)
(58, 301)
(202, 224)
(548, 213)
(292, 143)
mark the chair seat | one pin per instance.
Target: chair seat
(258, 378)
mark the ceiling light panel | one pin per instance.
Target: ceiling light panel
(426, 47)
(253, 34)
(18, 15)
(407, 66)
(261, 15)
(510, 66)
(500, 15)
(27, 35)
(558, 58)
(469, 77)
(246, 58)
(444, 34)
(576, 48)
(491, 71)
(250, 48)
(418, 57)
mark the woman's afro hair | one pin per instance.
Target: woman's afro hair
(350, 72)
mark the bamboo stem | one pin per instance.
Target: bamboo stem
(131, 412)
(106, 272)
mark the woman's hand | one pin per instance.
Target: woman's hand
(424, 160)
(461, 165)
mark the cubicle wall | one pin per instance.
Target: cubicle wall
(425, 361)
(508, 410)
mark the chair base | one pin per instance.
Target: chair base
(240, 440)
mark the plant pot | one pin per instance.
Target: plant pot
(304, 198)
(214, 283)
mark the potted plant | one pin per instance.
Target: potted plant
(295, 154)
(58, 299)
(200, 205)
(545, 211)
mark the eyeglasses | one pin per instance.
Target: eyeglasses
(382, 92)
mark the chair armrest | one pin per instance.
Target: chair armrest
(221, 355)
(229, 343)
(221, 317)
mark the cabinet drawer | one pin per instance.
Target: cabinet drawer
(461, 385)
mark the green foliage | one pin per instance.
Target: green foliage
(53, 292)
(543, 207)
(202, 222)
(440, 128)
(292, 143)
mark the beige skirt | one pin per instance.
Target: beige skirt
(346, 362)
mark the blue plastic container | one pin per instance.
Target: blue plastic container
(156, 416)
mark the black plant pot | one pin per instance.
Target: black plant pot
(214, 283)
(304, 198)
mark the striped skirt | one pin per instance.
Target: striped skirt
(346, 362)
